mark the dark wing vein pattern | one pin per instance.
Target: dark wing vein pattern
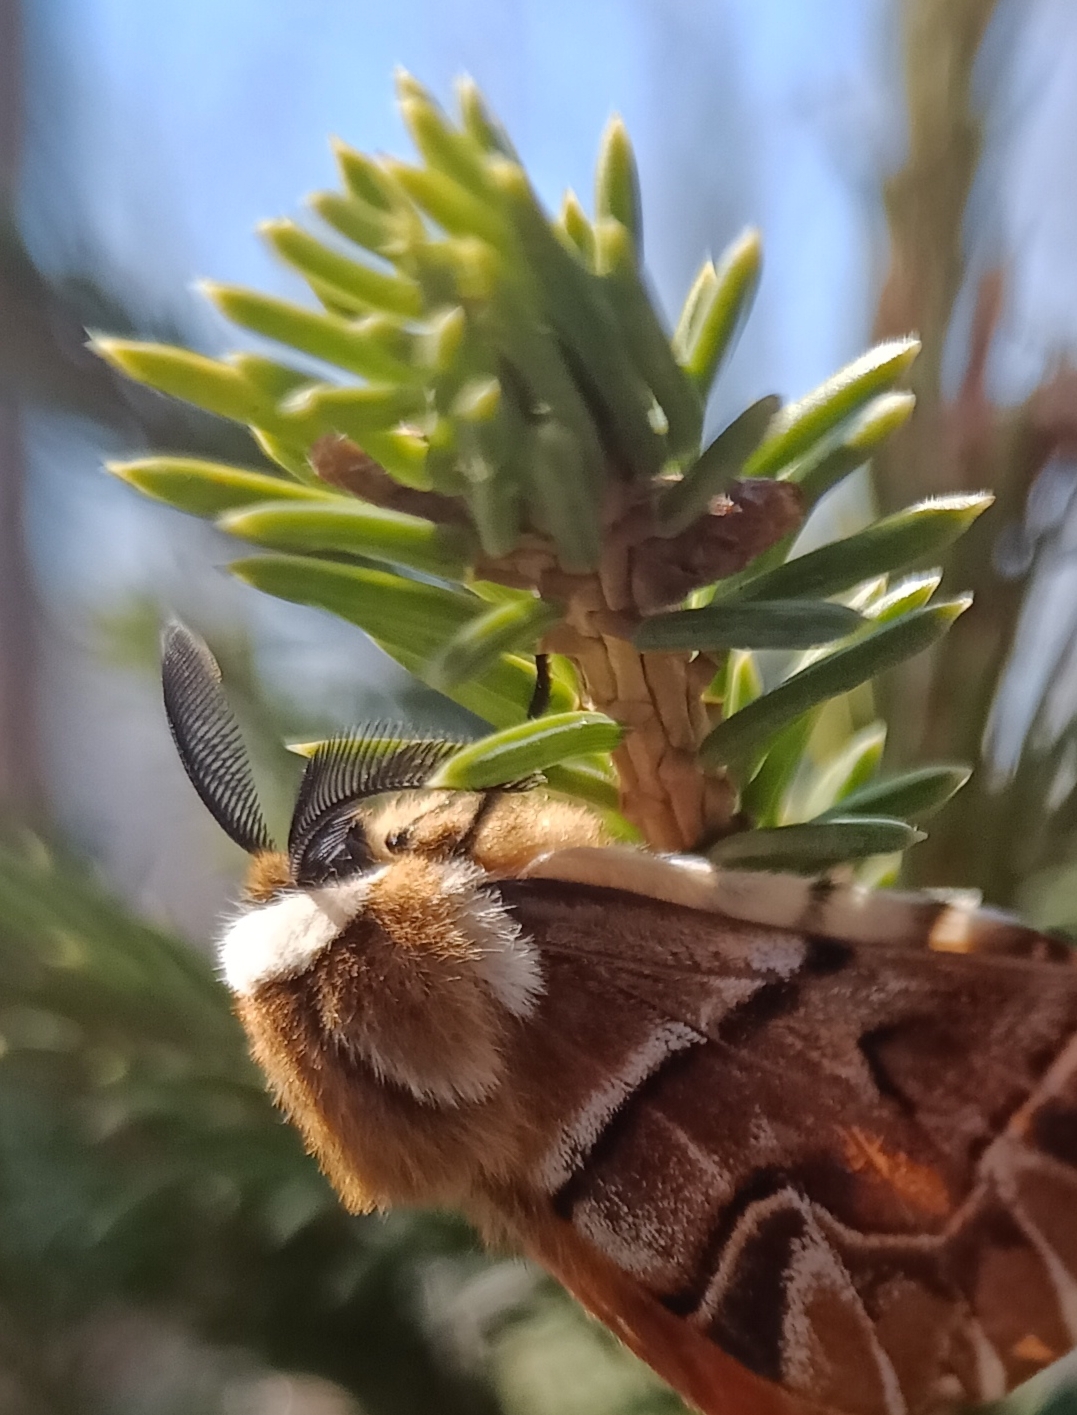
(852, 1168)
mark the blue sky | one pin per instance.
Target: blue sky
(184, 123)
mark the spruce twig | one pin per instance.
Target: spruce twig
(509, 418)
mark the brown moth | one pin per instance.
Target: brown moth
(802, 1148)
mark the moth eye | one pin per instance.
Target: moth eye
(338, 849)
(398, 840)
(327, 839)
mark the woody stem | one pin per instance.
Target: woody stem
(664, 791)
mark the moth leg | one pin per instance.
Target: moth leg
(540, 697)
(466, 844)
(446, 830)
(540, 701)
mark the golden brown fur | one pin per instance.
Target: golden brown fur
(267, 875)
(397, 1008)
(400, 989)
(515, 829)
(377, 1143)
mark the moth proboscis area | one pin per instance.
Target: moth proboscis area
(802, 1147)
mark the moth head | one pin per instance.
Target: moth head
(373, 938)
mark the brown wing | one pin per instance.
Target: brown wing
(850, 1168)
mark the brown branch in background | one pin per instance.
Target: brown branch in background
(938, 704)
(1050, 416)
(21, 787)
(925, 208)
